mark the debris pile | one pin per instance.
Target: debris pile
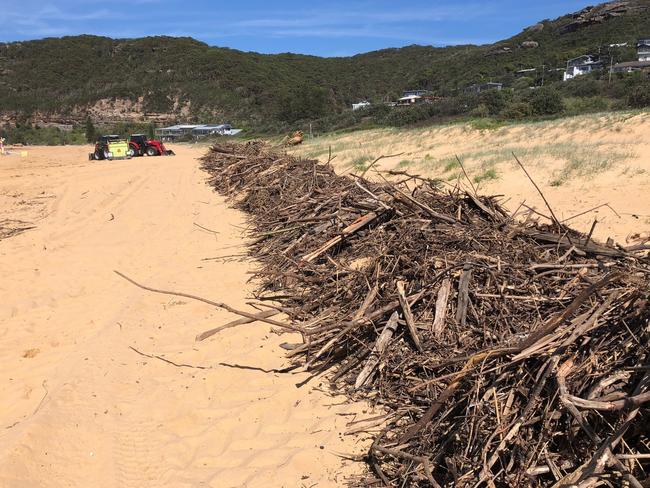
(506, 353)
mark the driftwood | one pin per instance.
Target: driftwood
(522, 356)
(408, 315)
(377, 350)
(251, 316)
(441, 308)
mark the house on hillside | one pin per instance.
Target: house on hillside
(643, 59)
(195, 130)
(175, 131)
(581, 65)
(213, 130)
(414, 93)
(415, 97)
(360, 105)
(481, 87)
(409, 100)
(643, 49)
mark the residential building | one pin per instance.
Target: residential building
(212, 130)
(175, 131)
(631, 67)
(643, 62)
(414, 93)
(643, 49)
(360, 105)
(581, 65)
(195, 130)
(481, 87)
(409, 100)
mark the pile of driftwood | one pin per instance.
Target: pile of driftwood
(506, 351)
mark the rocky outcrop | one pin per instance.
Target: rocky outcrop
(499, 50)
(530, 44)
(601, 13)
(104, 111)
(539, 27)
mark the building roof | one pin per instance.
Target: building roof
(588, 56)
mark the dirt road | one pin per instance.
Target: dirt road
(79, 406)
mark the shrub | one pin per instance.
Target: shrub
(516, 111)
(401, 116)
(639, 96)
(583, 86)
(577, 105)
(481, 111)
(546, 101)
(494, 100)
(523, 83)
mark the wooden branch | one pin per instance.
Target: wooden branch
(178, 365)
(230, 309)
(441, 307)
(404, 455)
(463, 295)
(556, 221)
(371, 165)
(380, 346)
(408, 315)
(425, 208)
(209, 333)
(611, 406)
(357, 225)
(372, 294)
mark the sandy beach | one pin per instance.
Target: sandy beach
(85, 401)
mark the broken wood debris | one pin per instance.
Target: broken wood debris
(522, 352)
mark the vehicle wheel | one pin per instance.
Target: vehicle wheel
(151, 151)
(131, 153)
(106, 154)
(98, 156)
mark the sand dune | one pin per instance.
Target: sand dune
(579, 162)
(79, 406)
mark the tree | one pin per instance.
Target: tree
(494, 100)
(91, 132)
(305, 102)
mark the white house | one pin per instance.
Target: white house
(581, 65)
(409, 100)
(360, 105)
(176, 131)
(643, 49)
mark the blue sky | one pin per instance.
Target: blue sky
(334, 28)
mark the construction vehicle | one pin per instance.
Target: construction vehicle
(140, 145)
(110, 147)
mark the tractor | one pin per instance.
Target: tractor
(140, 145)
(110, 147)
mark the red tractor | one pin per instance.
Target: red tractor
(139, 145)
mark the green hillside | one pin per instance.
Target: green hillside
(67, 74)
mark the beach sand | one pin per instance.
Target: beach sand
(81, 404)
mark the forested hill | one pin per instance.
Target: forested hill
(184, 79)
